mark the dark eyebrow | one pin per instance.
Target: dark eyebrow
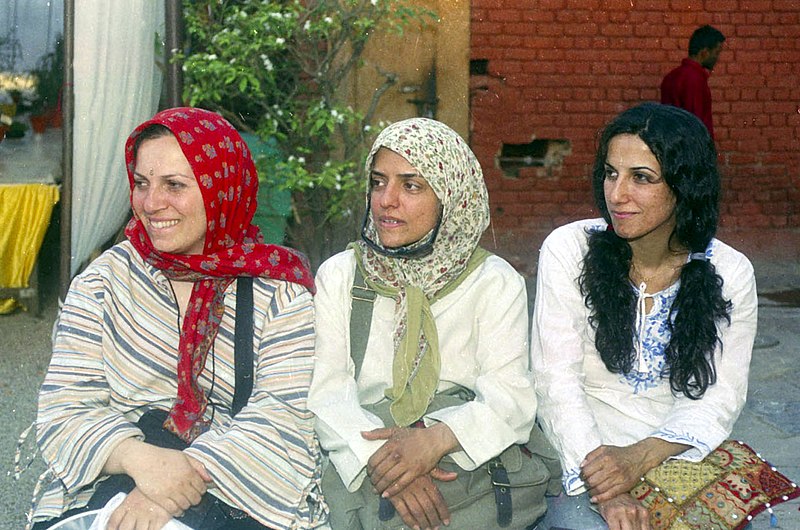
(374, 171)
(168, 175)
(637, 168)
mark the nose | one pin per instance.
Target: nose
(389, 195)
(616, 190)
(153, 199)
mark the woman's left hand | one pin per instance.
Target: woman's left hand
(407, 454)
(138, 511)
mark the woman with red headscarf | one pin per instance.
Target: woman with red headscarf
(150, 326)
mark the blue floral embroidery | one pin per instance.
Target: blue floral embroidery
(657, 336)
(572, 479)
(682, 438)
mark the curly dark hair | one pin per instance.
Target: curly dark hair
(687, 156)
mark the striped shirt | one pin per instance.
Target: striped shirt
(115, 356)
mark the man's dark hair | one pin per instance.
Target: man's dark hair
(704, 37)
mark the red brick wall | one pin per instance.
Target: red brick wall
(559, 69)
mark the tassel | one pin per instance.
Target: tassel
(773, 519)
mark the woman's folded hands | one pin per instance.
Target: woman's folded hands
(403, 470)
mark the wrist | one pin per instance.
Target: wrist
(655, 451)
(128, 457)
(444, 438)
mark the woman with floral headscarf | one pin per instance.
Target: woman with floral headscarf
(446, 314)
(150, 326)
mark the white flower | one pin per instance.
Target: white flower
(301, 159)
(373, 2)
(307, 25)
(338, 186)
(211, 57)
(280, 40)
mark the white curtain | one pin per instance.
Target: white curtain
(117, 86)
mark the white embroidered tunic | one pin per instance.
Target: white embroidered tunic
(582, 405)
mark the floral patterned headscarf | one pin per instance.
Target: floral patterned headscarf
(224, 169)
(449, 166)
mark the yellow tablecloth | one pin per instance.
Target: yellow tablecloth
(25, 211)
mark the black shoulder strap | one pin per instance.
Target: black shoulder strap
(360, 318)
(243, 344)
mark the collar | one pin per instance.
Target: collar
(694, 65)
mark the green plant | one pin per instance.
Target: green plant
(49, 72)
(280, 70)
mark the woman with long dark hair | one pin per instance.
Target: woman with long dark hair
(644, 322)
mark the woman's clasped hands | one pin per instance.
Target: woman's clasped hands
(403, 470)
(168, 482)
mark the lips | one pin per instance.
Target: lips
(623, 215)
(390, 222)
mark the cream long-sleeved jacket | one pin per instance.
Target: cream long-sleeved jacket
(483, 332)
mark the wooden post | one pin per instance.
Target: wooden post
(173, 22)
(68, 111)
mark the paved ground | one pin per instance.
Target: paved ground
(770, 422)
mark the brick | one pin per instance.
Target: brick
(486, 28)
(786, 5)
(756, 6)
(685, 5)
(502, 15)
(537, 15)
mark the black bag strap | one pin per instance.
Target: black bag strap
(363, 299)
(243, 344)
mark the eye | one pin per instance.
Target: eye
(646, 177)
(175, 185)
(411, 185)
(610, 174)
(375, 183)
(139, 183)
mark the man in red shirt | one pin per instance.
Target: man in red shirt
(687, 85)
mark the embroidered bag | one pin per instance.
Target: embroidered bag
(724, 491)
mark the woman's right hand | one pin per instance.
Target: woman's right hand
(421, 505)
(138, 511)
(623, 512)
(168, 477)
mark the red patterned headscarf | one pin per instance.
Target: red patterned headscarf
(234, 247)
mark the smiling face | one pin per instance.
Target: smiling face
(639, 201)
(403, 205)
(167, 199)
